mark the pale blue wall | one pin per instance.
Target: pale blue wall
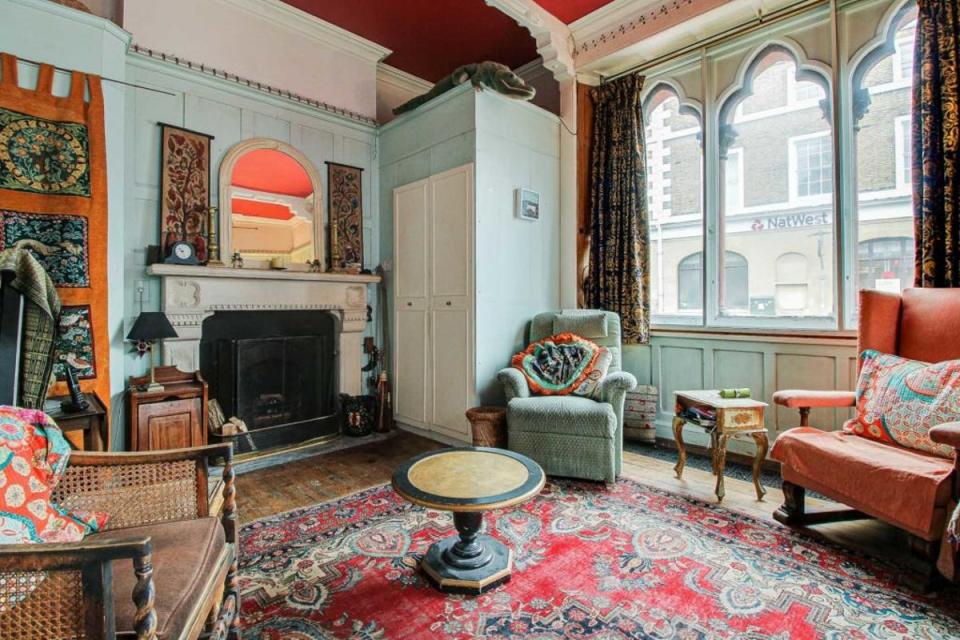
(512, 145)
(518, 261)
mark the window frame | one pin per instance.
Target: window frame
(839, 77)
(793, 167)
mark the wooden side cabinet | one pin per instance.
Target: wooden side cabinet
(170, 419)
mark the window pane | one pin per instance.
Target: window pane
(777, 149)
(674, 196)
(884, 215)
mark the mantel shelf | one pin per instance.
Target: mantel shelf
(173, 270)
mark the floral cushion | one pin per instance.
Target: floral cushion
(33, 457)
(900, 400)
(559, 364)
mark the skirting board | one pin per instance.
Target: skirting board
(433, 435)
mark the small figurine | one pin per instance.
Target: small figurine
(314, 265)
(236, 260)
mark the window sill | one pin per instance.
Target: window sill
(839, 338)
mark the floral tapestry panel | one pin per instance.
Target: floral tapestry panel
(43, 156)
(74, 345)
(58, 241)
(184, 188)
(346, 216)
(936, 144)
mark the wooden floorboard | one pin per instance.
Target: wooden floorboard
(326, 477)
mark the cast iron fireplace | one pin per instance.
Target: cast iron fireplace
(275, 370)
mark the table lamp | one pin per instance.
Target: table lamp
(150, 327)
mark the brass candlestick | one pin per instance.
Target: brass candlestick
(213, 244)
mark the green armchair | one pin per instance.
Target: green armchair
(571, 435)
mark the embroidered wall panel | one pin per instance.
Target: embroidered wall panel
(53, 202)
(346, 216)
(184, 188)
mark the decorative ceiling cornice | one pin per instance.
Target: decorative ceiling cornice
(251, 84)
(401, 79)
(618, 19)
(551, 35)
(289, 17)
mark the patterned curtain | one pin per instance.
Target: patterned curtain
(618, 278)
(936, 144)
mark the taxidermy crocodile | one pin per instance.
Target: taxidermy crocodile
(491, 75)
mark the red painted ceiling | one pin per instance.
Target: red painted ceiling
(430, 38)
(271, 171)
(571, 10)
(261, 209)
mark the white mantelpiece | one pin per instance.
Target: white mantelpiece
(192, 294)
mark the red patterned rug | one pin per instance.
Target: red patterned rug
(630, 562)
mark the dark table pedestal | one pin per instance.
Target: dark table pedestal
(469, 562)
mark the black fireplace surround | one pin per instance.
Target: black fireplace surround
(276, 371)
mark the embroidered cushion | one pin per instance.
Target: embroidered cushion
(33, 457)
(558, 364)
(590, 387)
(900, 400)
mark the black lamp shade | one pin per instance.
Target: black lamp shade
(151, 325)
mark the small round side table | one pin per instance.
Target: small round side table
(468, 481)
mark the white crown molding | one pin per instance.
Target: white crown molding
(77, 15)
(532, 70)
(292, 19)
(609, 17)
(400, 79)
(551, 35)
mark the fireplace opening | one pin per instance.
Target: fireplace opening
(276, 371)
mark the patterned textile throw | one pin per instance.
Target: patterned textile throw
(559, 364)
(629, 562)
(33, 457)
(900, 400)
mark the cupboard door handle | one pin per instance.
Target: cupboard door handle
(409, 304)
(449, 303)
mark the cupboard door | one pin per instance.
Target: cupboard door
(170, 425)
(451, 369)
(410, 228)
(451, 225)
(410, 362)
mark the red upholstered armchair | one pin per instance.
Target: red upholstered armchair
(910, 489)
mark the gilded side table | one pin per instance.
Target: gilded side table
(735, 417)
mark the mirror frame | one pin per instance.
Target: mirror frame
(225, 195)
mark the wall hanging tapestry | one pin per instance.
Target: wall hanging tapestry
(629, 562)
(346, 217)
(936, 144)
(618, 275)
(184, 189)
(75, 343)
(53, 200)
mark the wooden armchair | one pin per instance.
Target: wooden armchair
(163, 568)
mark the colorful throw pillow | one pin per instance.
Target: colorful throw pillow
(33, 457)
(900, 400)
(557, 365)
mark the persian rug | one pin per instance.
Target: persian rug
(53, 202)
(629, 562)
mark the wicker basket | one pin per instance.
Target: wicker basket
(640, 414)
(489, 426)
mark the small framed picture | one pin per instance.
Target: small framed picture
(528, 204)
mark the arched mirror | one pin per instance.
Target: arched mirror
(271, 209)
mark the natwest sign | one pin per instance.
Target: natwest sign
(791, 221)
